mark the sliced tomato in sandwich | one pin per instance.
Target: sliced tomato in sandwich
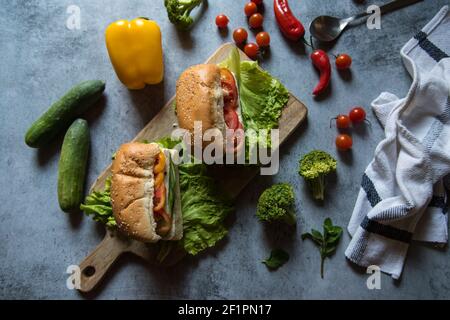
(231, 118)
(229, 87)
(163, 221)
(159, 199)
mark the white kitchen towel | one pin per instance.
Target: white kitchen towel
(433, 226)
(410, 163)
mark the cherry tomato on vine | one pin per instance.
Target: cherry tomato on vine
(344, 142)
(357, 115)
(240, 35)
(256, 20)
(263, 39)
(251, 50)
(257, 2)
(342, 121)
(222, 21)
(343, 61)
(250, 8)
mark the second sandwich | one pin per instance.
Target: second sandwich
(145, 192)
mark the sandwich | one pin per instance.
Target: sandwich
(209, 94)
(145, 193)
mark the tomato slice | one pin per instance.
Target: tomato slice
(238, 141)
(231, 118)
(230, 94)
(159, 199)
(163, 222)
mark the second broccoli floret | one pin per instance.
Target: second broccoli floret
(277, 203)
(314, 167)
(179, 11)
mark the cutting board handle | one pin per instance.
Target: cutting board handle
(95, 265)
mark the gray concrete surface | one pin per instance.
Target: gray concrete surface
(41, 59)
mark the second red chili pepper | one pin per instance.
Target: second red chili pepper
(321, 61)
(291, 27)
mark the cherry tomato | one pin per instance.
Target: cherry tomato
(250, 8)
(263, 39)
(257, 2)
(342, 121)
(357, 115)
(343, 61)
(344, 142)
(251, 50)
(231, 118)
(222, 21)
(256, 20)
(229, 88)
(240, 35)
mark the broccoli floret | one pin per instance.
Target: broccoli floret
(277, 203)
(314, 167)
(179, 11)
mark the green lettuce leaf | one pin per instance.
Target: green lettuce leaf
(168, 142)
(262, 97)
(233, 63)
(98, 205)
(204, 209)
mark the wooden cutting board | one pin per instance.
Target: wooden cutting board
(234, 179)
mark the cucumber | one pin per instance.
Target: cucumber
(72, 166)
(61, 114)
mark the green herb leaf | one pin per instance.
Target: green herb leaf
(327, 242)
(316, 234)
(277, 258)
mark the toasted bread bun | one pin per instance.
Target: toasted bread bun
(199, 97)
(132, 190)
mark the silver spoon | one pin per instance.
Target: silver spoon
(326, 28)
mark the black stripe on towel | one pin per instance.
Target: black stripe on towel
(371, 192)
(438, 202)
(429, 47)
(386, 231)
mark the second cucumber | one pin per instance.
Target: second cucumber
(61, 114)
(72, 166)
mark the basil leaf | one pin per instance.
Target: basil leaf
(316, 239)
(277, 258)
(327, 242)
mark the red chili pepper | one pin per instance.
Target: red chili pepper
(321, 61)
(291, 27)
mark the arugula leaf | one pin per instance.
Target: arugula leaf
(98, 205)
(277, 258)
(327, 241)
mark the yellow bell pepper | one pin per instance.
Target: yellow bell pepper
(135, 51)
